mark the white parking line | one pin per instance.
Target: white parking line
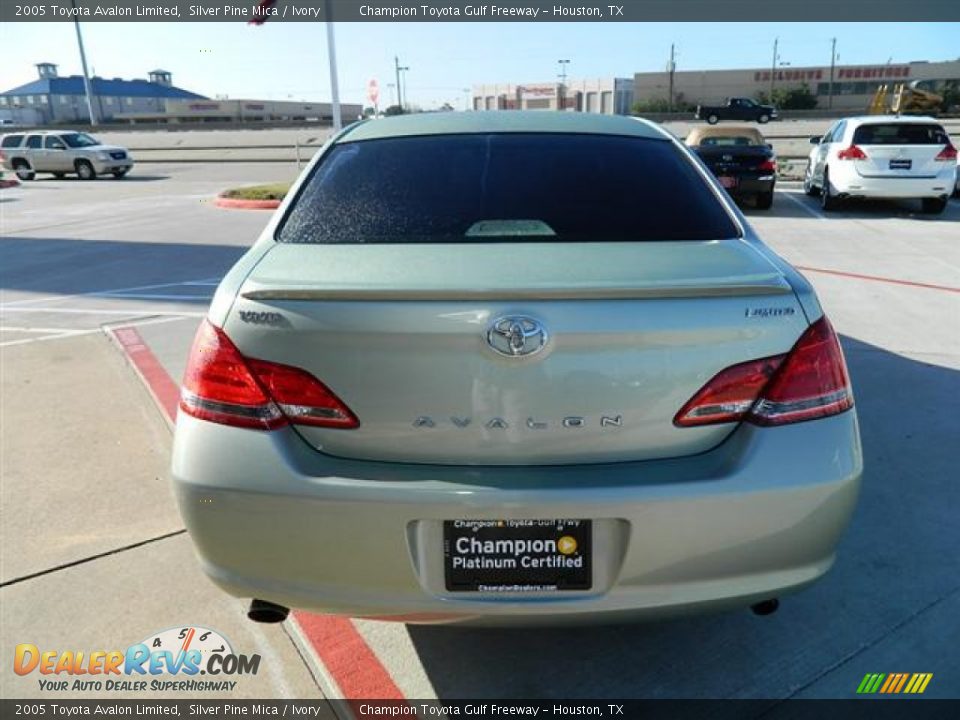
(59, 333)
(132, 312)
(153, 296)
(800, 203)
(95, 293)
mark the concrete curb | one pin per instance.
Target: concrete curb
(240, 204)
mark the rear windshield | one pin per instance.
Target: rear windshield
(900, 134)
(505, 188)
(727, 141)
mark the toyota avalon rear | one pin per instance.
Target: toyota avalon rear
(513, 366)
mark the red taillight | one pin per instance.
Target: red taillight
(768, 165)
(812, 382)
(809, 382)
(852, 153)
(948, 153)
(222, 386)
(729, 395)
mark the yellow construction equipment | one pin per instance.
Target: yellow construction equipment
(904, 99)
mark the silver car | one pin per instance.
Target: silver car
(513, 367)
(62, 152)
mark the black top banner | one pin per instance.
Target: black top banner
(501, 11)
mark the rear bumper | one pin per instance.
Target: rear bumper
(758, 516)
(852, 184)
(753, 186)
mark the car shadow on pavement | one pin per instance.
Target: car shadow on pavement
(896, 562)
(73, 266)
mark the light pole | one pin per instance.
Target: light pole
(670, 69)
(833, 66)
(83, 64)
(334, 85)
(563, 83)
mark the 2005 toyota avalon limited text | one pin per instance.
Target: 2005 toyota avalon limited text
(492, 366)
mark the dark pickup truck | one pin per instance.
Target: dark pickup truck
(736, 108)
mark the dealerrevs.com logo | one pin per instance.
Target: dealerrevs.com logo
(171, 660)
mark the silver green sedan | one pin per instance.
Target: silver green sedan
(513, 367)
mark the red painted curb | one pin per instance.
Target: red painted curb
(8, 184)
(345, 654)
(240, 204)
(875, 278)
(335, 641)
(165, 392)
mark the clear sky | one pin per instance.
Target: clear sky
(289, 60)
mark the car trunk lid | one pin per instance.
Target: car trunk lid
(401, 333)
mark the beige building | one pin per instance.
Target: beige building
(246, 111)
(853, 86)
(610, 96)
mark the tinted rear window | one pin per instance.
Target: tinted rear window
(505, 188)
(12, 141)
(900, 134)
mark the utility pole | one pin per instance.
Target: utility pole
(671, 68)
(399, 68)
(83, 64)
(833, 65)
(773, 68)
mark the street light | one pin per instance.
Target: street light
(563, 82)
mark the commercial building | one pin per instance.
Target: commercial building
(610, 96)
(55, 100)
(176, 112)
(853, 85)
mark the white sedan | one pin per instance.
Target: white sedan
(883, 157)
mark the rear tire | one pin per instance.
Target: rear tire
(764, 200)
(763, 119)
(23, 170)
(828, 201)
(85, 170)
(934, 206)
(712, 119)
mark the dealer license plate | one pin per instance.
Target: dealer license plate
(517, 555)
(901, 164)
(728, 181)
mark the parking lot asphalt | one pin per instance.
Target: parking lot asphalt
(84, 447)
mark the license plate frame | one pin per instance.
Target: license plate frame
(495, 556)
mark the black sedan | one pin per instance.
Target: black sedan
(741, 158)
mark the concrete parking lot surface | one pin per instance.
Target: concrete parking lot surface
(84, 450)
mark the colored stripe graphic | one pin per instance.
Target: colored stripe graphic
(893, 683)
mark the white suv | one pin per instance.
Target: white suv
(883, 157)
